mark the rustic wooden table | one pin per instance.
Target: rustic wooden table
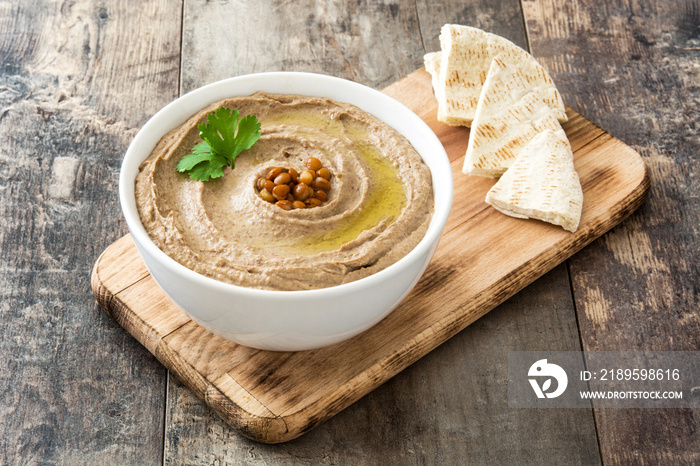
(80, 77)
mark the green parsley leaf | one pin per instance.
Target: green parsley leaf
(203, 164)
(200, 153)
(222, 144)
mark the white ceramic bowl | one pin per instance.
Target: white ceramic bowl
(288, 320)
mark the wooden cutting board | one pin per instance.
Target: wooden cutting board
(484, 257)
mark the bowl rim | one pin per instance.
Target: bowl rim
(127, 195)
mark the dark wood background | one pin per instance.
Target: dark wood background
(78, 78)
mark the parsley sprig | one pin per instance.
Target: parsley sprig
(221, 144)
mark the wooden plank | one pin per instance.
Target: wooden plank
(502, 256)
(77, 78)
(351, 39)
(377, 43)
(502, 17)
(632, 67)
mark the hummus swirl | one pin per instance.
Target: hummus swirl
(378, 208)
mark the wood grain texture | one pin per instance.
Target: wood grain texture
(633, 67)
(77, 78)
(372, 42)
(273, 397)
(441, 410)
(503, 17)
(73, 89)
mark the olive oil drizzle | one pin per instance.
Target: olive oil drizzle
(385, 200)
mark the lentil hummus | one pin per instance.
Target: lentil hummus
(378, 207)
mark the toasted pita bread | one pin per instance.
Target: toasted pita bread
(464, 63)
(542, 183)
(432, 65)
(508, 116)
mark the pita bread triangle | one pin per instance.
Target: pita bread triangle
(432, 65)
(465, 59)
(542, 183)
(508, 116)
